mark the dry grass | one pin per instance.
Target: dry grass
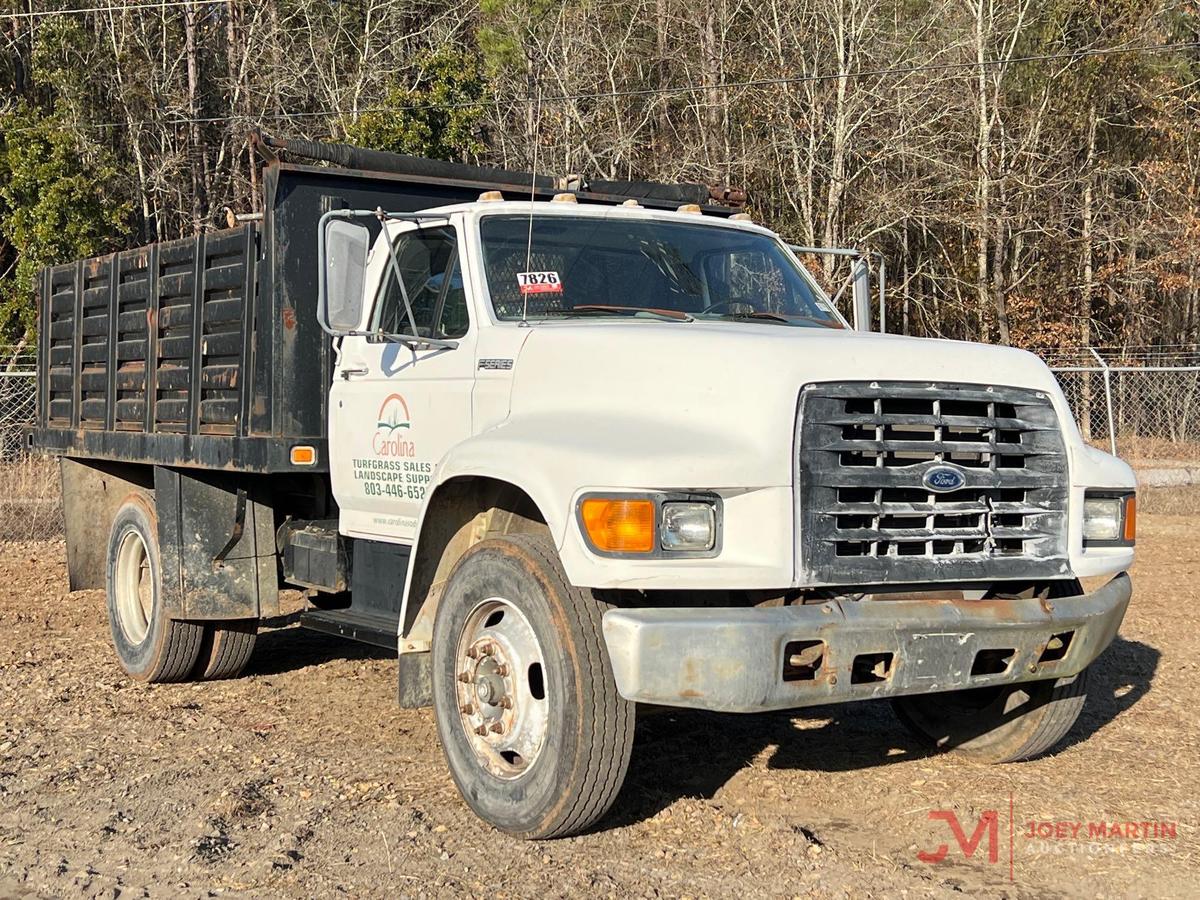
(1142, 451)
(30, 499)
(1175, 500)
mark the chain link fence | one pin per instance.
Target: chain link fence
(30, 502)
(1146, 402)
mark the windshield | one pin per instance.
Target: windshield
(593, 266)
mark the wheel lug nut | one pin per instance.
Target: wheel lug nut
(465, 677)
(473, 652)
(482, 731)
(466, 709)
(487, 649)
(502, 670)
(497, 728)
(506, 702)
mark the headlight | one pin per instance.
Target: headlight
(688, 526)
(655, 524)
(1109, 519)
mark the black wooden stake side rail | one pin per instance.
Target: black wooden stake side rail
(151, 362)
(77, 348)
(249, 299)
(197, 361)
(114, 311)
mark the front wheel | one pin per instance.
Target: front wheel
(998, 724)
(535, 734)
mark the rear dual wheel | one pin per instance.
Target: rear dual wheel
(151, 645)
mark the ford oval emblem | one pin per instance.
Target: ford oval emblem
(943, 479)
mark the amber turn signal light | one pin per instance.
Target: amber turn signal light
(617, 525)
(303, 455)
(1129, 531)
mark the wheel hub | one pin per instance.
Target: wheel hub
(133, 586)
(500, 688)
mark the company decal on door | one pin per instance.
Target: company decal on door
(392, 468)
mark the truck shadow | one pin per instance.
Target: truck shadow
(681, 754)
(282, 647)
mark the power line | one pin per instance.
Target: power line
(1074, 55)
(130, 7)
(691, 87)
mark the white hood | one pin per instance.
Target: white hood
(716, 402)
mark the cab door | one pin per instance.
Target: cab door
(396, 409)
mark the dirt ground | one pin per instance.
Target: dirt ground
(303, 778)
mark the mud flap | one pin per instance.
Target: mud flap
(416, 680)
(217, 538)
(93, 491)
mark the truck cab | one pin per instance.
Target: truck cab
(570, 457)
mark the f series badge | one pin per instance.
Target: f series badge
(496, 364)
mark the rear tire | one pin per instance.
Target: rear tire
(535, 734)
(150, 645)
(226, 649)
(997, 724)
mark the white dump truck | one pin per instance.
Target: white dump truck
(568, 448)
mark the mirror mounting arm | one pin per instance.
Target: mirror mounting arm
(414, 341)
(387, 237)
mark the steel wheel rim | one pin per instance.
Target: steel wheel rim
(500, 688)
(134, 587)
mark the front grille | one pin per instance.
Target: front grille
(867, 514)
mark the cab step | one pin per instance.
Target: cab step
(377, 588)
(357, 625)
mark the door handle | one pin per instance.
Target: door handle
(347, 374)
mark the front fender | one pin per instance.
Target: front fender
(554, 461)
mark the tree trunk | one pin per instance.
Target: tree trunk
(196, 154)
(983, 189)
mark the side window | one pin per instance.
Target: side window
(428, 262)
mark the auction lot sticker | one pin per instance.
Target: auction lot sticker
(539, 283)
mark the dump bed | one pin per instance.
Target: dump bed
(206, 351)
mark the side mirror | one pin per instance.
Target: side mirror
(861, 278)
(343, 267)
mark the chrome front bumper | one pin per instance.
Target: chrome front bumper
(750, 660)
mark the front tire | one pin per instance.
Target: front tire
(999, 724)
(151, 646)
(533, 729)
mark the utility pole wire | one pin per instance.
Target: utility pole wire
(130, 7)
(967, 68)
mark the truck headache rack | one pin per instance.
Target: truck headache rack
(205, 352)
(595, 190)
(868, 513)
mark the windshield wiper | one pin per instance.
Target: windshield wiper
(673, 315)
(782, 319)
(769, 316)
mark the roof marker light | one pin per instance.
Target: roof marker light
(693, 208)
(565, 198)
(490, 196)
(741, 217)
(632, 204)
